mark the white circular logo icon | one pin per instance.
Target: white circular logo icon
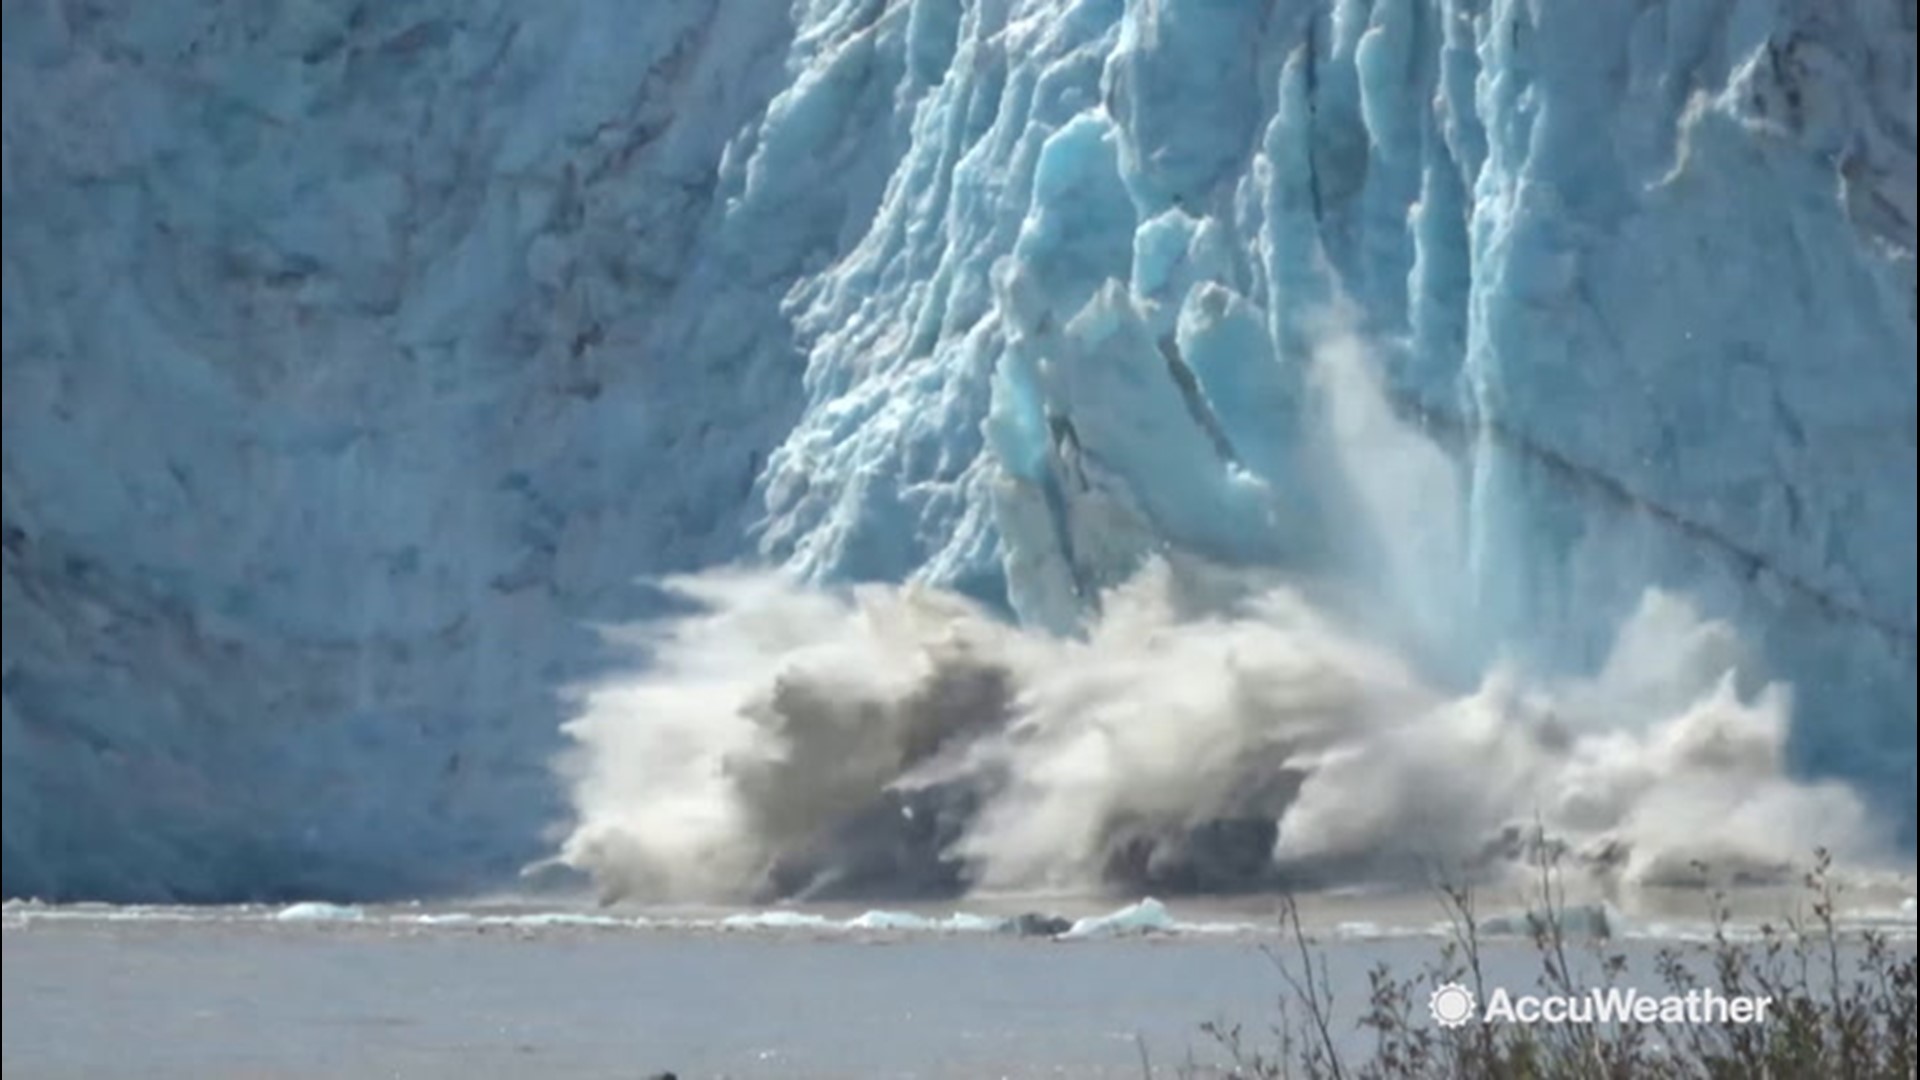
(1451, 1005)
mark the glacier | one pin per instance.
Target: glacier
(360, 359)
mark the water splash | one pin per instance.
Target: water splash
(787, 740)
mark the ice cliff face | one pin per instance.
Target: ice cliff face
(357, 353)
(346, 373)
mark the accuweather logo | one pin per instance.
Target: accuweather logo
(1452, 1005)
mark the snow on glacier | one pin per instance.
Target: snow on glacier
(355, 358)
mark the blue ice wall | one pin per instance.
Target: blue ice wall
(355, 358)
(348, 375)
(1643, 273)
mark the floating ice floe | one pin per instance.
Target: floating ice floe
(891, 920)
(314, 911)
(778, 920)
(1146, 917)
(962, 923)
(957, 923)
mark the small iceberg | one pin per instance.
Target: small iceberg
(958, 923)
(962, 923)
(1149, 916)
(315, 911)
(891, 920)
(777, 920)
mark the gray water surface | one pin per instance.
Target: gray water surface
(256, 998)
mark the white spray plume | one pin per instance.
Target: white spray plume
(779, 711)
